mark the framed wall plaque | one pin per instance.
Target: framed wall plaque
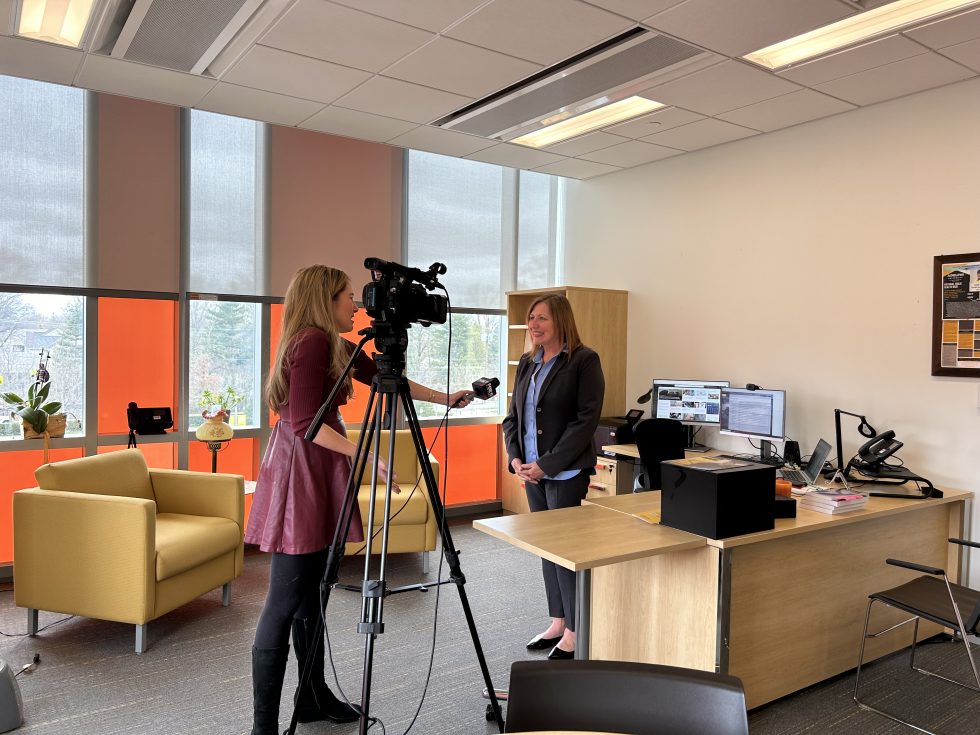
(956, 315)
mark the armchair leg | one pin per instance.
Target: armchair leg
(141, 638)
(425, 562)
(226, 594)
(32, 621)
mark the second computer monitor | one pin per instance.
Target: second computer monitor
(759, 414)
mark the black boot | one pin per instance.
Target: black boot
(268, 670)
(316, 702)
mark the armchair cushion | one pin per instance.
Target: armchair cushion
(122, 474)
(185, 542)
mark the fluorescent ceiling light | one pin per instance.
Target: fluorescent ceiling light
(561, 127)
(54, 21)
(852, 30)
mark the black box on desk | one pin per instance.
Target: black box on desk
(717, 503)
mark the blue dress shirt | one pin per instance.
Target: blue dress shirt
(538, 377)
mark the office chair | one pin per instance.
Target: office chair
(658, 440)
(932, 598)
(623, 697)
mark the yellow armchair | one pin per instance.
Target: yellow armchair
(413, 521)
(107, 538)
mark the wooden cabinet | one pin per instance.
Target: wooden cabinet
(600, 315)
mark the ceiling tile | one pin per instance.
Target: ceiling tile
(630, 153)
(736, 28)
(721, 88)
(586, 144)
(851, 61)
(700, 134)
(896, 80)
(543, 31)
(967, 53)
(432, 15)
(515, 156)
(437, 140)
(655, 122)
(35, 60)
(342, 35)
(256, 104)
(576, 168)
(635, 9)
(460, 68)
(949, 31)
(356, 124)
(790, 109)
(118, 76)
(297, 76)
(401, 100)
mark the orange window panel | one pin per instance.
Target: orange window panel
(17, 473)
(275, 330)
(157, 456)
(137, 358)
(353, 411)
(472, 462)
(237, 457)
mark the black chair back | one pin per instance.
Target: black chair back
(623, 697)
(658, 440)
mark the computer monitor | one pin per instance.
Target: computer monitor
(692, 402)
(755, 414)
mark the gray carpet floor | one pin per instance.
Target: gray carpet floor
(195, 677)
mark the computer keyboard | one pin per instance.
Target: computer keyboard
(795, 476)
(771, 461)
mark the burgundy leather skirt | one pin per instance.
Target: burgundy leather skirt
(299, 494)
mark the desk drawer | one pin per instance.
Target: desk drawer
(605, 474)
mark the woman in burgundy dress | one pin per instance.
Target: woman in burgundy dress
(301, 486)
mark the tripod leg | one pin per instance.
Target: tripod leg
(448, 547)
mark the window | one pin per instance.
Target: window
(226, 255)
(51, 329)
(226, 194)
(224, 350)
(496, 230)
(42, 183)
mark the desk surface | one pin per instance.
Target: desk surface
(568, 536)
(805, 521)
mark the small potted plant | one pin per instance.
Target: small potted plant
(217, 407)
(39, 416)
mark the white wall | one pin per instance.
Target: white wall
(803, 259)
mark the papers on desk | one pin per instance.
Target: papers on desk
(711, 464)
(650, 516)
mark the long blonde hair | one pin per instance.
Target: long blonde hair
(563, 319)
(309, 303)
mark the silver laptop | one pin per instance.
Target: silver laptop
(808, 475)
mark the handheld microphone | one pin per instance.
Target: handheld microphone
(484, 389)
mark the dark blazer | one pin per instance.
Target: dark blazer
(569, 404)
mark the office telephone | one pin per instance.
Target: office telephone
(879, 448)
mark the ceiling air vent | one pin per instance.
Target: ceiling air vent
(618, 68)
(184, 35)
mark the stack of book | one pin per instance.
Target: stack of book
(830, 500)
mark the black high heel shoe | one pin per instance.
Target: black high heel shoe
(539, 644)
(558, 654)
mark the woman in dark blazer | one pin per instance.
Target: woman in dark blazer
(549, 429)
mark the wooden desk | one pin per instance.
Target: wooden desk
(780, 609)
(582, 539)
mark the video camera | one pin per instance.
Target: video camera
(397, 294)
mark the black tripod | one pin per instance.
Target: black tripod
(388, 388)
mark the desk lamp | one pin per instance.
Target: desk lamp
(864, 429)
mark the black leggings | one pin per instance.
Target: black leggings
(294, 592)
